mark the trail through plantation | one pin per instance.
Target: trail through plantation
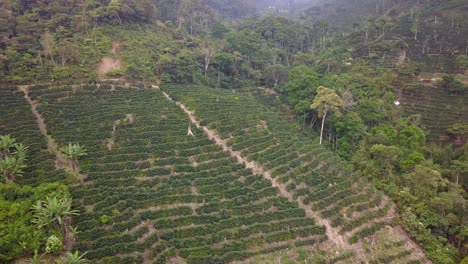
(340, 239)
(331, 232)
(336, 239)
(61, 162)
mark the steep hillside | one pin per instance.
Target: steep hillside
(439, 109)
(326, 187)
(419, 42)
(188, 173)
(159, 185)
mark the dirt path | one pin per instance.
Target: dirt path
(331, 232)
(61, 162)
(60, 159)
(109, 63)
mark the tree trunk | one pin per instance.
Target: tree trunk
(303, 121)
(312, 121)
(323, 124)
(39, 56)
(120, 20)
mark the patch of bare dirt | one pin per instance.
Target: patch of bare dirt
(115, 47)
(463, 77)
(410, 244)
(129, 119)
(176, 260)
(109, 63)
(268, 90)
(193, 162)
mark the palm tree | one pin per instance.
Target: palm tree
(20, 151)
(11, 167)
(73, 258)
(55, 211)
(6, 143)
(12, 157)
(73, 152)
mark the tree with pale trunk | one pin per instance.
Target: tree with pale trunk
(326, 101)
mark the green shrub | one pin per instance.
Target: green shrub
(54, 245)
(104, 219)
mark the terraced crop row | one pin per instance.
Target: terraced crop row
(310, 173)
(439, 109)
(165, 194)
(17, 120)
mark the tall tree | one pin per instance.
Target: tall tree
(48, 45)
(326, 101)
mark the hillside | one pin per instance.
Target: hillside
(419, 41)
(209, 196)
(215, 131)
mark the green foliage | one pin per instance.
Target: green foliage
(11, 167)
(462, 61)
(53, 210)
(54, 245)
(451, 84)
(302, 85)
(73, 151)
(395, 155)
(64, 42)
(458, 130)
(12, 158)
(73, 258)
(36, 259)
(326, 101)
(104, 219)
(18, 235)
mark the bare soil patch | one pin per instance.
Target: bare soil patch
(110, 63)
(107, 64)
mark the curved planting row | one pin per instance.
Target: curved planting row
(17, 120)
(310, 173)
(153, 193)
(439, 109)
